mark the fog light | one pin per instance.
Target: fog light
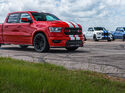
(57, 41)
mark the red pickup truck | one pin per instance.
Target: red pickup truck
(41, 30)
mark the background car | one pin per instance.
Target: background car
(97, 33)
(119, 33)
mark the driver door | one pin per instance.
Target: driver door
(25, 30)
(116, 34)
(121, 32)
(88, 33)
(91, 31)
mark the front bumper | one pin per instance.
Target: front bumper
(74, 43)
(65, 42)
(104, 37)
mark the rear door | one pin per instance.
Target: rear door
(10, 29)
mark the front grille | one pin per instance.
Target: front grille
(73, 31)
(105, 34)
(106, 38)
(74, 43)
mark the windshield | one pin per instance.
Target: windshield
(124, 29)
(44, 17)
(99, 28)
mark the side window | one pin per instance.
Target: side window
(49, 18)
(90, 29)
(13, 18)
(118, 29)
(25, 15)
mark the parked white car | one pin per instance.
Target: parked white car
(97, 33)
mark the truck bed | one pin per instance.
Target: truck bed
(1, 33)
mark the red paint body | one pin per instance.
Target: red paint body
(23, 33)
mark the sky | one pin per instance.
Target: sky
(89, 13)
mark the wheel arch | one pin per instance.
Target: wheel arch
(37, 32)
(94, 35)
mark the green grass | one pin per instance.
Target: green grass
(18, 76)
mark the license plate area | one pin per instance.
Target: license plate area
(74, 43)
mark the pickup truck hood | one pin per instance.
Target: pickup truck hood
(65, 24)
(60, 23)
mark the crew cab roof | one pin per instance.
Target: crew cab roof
(23, 12)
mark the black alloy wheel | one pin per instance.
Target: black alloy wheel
(113, 38)
(94, 38)
(40, 43)
(123, 37)
(109, 40)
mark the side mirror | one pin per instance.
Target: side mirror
(26, 20)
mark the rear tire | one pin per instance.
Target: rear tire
(23, 46)
(113, 38)
(94, 38)
(40, 43)
(72, 48)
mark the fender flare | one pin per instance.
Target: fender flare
(39, 31)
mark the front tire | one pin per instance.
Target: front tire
(72, 48)
(40, 43)
(109, 40)
(94, 38)
(113, 38)
(123, 37)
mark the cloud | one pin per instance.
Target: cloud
(108, 13)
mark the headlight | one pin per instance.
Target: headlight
(99, 33)
(55, 29)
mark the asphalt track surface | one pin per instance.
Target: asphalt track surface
(102, 56)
